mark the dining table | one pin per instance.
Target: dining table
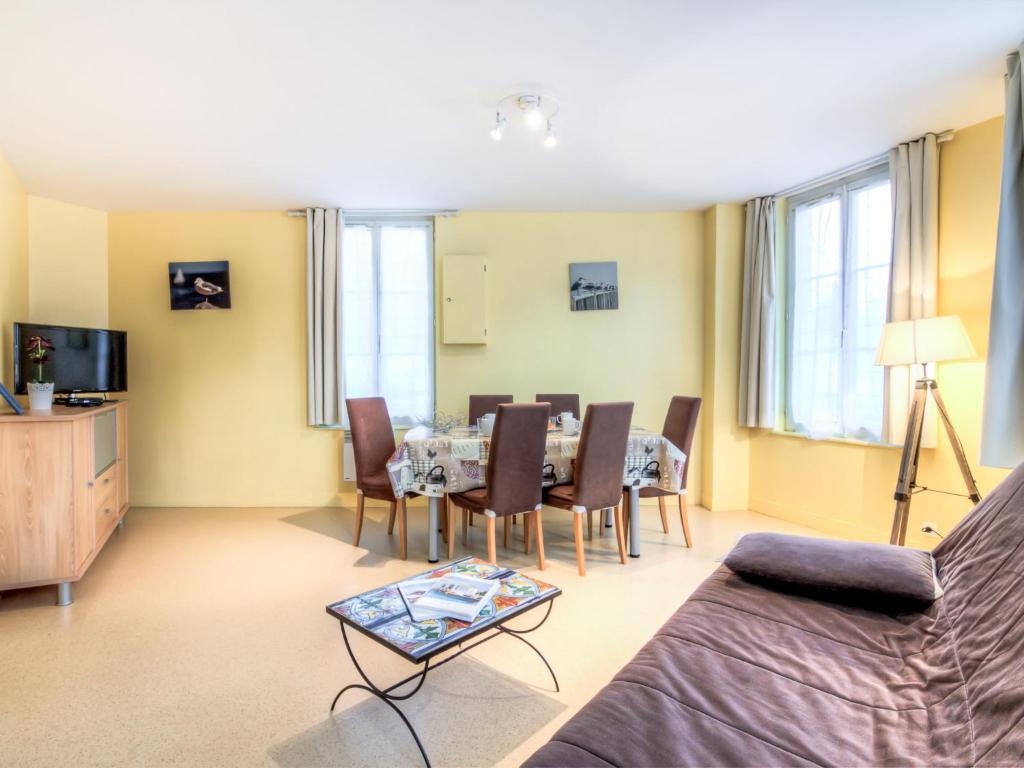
(433, 463)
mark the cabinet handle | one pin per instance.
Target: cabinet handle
(90, 484)
(106, 481)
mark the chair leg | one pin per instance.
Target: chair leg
(470, 518)
(444, 520)
(391, 517)
(664, 514)
(465, 527)
(492, 554)
(626, 512)
(540, 538)
(577, 534)
(528, 519)
(685, 517)
(619, 536)
(590, 525)
(402, 538)
(507, 534)
(514, 519)
(360, 502)
(450, 527)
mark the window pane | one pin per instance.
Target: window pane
(358, 313)
(870, 252)
(406, 321)
(814, 394)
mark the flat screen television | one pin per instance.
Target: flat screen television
(83, 359)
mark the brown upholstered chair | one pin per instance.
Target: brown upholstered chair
(515, 464)
(597, 476)
(373, 442)
(680, 427)
(561, 403)
(481, 404)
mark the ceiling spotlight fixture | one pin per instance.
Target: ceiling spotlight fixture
(551, 140)
(499, 126)
(537, 110)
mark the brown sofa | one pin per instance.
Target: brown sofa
(745, 674)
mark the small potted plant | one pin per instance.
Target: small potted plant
(40, 392)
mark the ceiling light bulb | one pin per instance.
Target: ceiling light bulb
(499, 127)
(534, 117)
(551, 140)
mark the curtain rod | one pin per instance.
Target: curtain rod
(385, 212)
(848, 170)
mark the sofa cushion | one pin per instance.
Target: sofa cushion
(853, 569)
(745, 675)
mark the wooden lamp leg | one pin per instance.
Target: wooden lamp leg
(391, 517)
(360, 502)
(684, 516)
(492, 554)
(577, 533)
(619, 537)
(402, 540)
(664, 514)
(540, 539)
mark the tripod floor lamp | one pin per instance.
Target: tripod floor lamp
(919, 342)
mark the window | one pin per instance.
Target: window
(839, 254)
(387, 315)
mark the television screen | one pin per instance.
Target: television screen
(83, 359)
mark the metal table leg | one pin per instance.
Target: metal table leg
(634, 521)
(433, 517)
(608, 518)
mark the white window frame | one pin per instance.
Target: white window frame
(374, 224)
(841, 189)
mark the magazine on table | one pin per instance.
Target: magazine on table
(457, 597)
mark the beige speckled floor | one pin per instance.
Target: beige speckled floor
(199, 638)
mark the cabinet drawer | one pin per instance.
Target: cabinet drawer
(106, 512)
(105, 482)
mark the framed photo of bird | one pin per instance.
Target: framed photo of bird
(593, 285)
(199, 285)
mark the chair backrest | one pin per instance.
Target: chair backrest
(680, 426)
(373, 438)
(481, 404)
(601, 458)
(561, 403)
(516, 458)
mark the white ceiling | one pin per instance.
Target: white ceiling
(254, 104)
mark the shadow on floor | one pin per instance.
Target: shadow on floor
(465, 714)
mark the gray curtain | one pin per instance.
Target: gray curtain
(914, 275)
(1002, 427)
(324, 228)
(757, 341)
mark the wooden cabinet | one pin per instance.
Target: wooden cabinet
(63, 490)
(464, 300)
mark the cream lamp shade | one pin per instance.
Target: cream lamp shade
(929, 340)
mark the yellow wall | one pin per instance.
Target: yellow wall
(13, 264)
(218, 410)
(67, 263)
(846, 489)
(726, 445)
(646, 351)
(218, 398)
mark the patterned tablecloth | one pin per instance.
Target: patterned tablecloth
(433, 464)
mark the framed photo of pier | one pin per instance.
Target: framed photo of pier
(593, 285)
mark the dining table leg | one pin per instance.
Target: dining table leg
(607, 518)
(634, 521)
(433, 517)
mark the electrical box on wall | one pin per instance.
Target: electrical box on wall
(464, 299)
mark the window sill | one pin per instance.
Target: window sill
(840, 440)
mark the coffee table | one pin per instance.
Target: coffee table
(381, 615)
